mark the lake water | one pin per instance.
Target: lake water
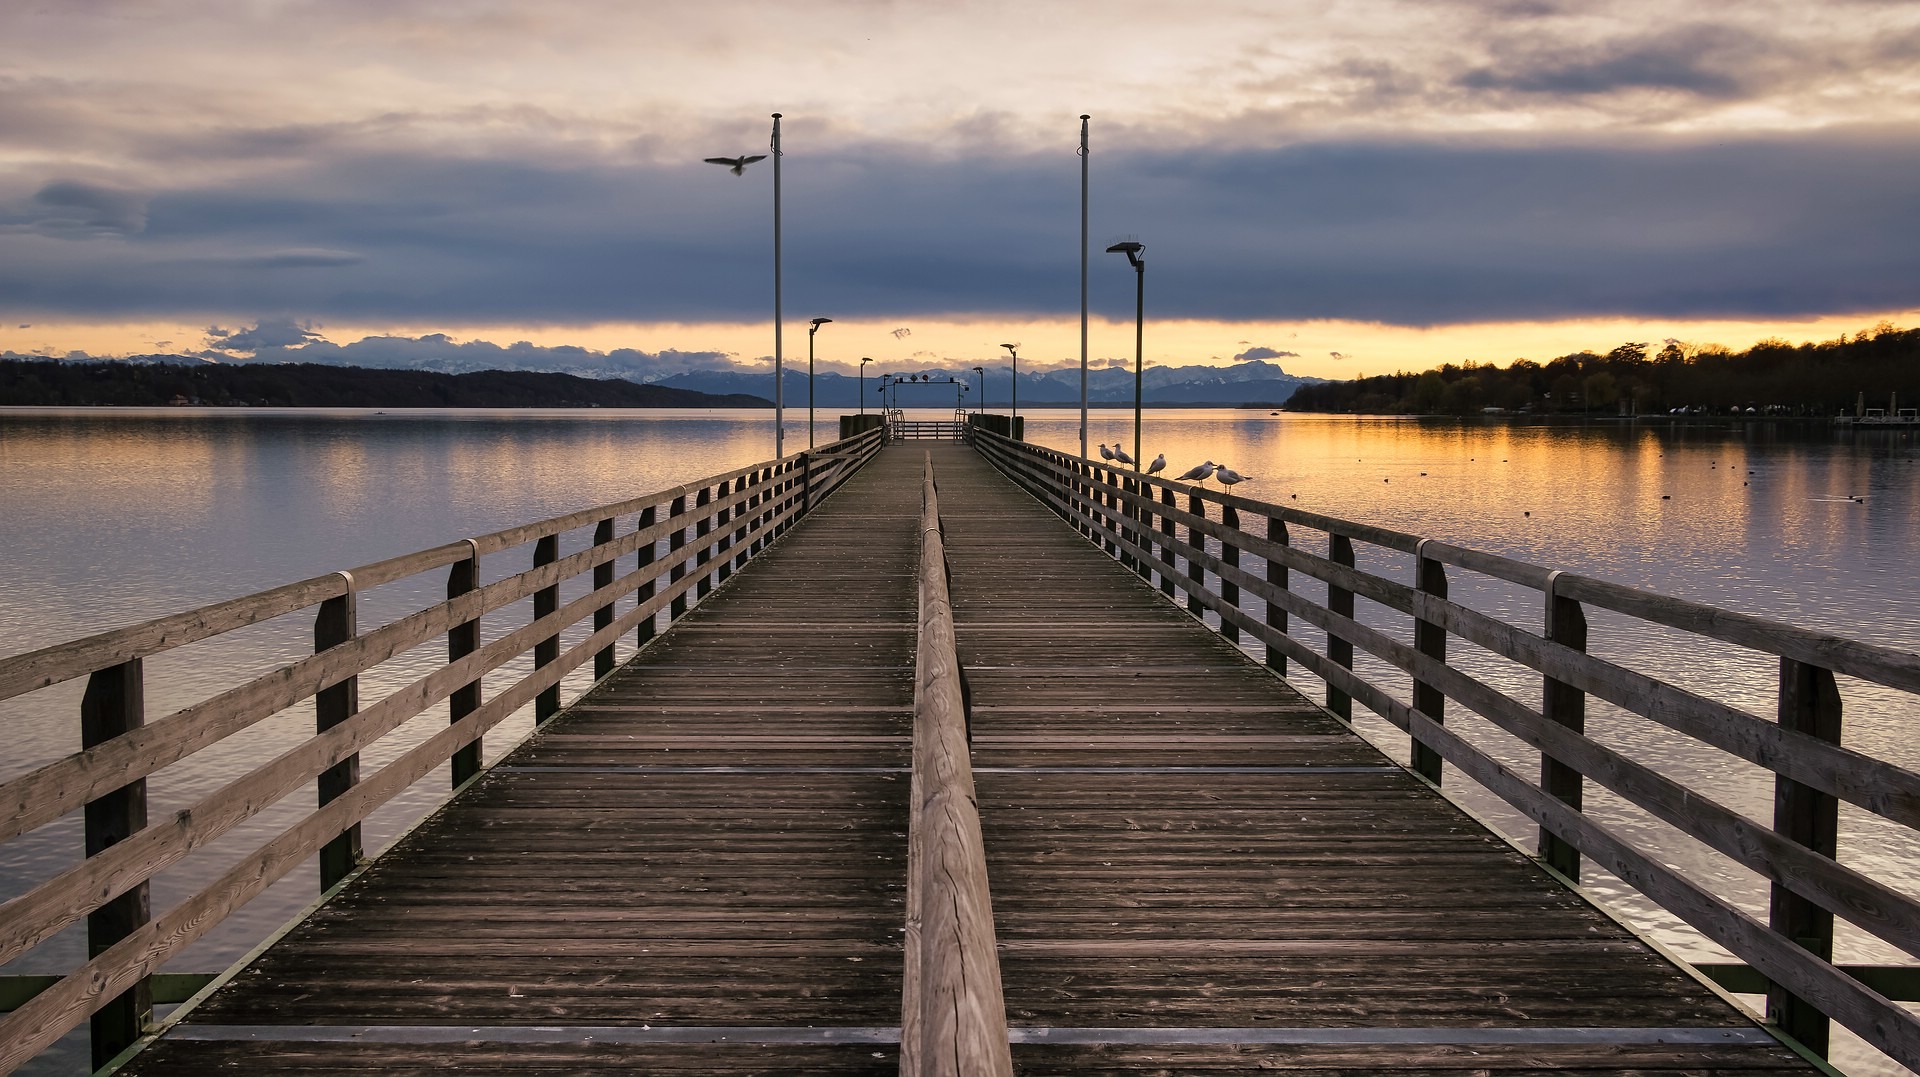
(109, 517)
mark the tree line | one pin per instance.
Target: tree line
(36, 382)
(1772, 377)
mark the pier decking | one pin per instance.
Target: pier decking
(699, 867)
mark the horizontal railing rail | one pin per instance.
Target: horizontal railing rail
(710, 528)
(953, 1017)
(1140, 520)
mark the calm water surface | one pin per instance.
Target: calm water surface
(111, 517)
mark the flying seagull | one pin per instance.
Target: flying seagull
(1159, 464)
(737, 165)
(1198, 474)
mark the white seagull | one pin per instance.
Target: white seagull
(1198, 474)
(1120, 454)
(1105, 453)
(736, 165)
(1159, 464)
(1229, 476)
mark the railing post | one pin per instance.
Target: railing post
(1277, 576)
(703, 553)
(603, 616)
(1430, 576)
(1166, 544)
(547, 651)
(1810, 704)
(1229, 555)
(1340, 601)
(806, 483)
(462, 640)
(677, 541)
(1137, 523)
(1197, 539)
(743, 521)
(336, 624)
(725, 517)
(115, 703)
(1111, 503)
(1562, 703)
(643, 557)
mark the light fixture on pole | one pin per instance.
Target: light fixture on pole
(1136, 253)
(738, 166)
(812, 328)
(1014, 405)
(982, 406)
(864, 360)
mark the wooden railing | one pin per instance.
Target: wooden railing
(1140, 520)
(953, 1017)
(709, 528)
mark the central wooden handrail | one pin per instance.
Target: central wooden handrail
(953, 1016)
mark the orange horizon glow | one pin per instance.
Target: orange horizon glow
(1363, 348)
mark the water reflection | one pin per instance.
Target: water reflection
(113, 517)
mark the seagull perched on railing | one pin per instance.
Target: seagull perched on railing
(1159, 464)
(1105, 453)
(736, 165)
(1198, 474)
(1120, 454)
(1229, 476)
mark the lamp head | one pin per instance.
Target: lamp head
(1012, 349)
(817, 323)
(865, 359)
(1135, 251)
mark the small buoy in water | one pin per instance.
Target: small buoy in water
(1526, 514)
(1423, 473)
(1666, 497)
(1386, 480)
(1746, 484)
(1296, 497)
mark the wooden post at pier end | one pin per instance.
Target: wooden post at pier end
(1810, 704)
(1563, 704)
(337, 623)
(547, 651)
(1430, 639)
(115, 703)
(462, 640)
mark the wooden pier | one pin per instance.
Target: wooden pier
(703, 865)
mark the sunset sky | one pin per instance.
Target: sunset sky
(1348, 187)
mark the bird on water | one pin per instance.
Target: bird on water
(736, 165)
(1197, 474)
(1159, 464)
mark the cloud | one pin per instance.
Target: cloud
(71, 209)
(1262, 352)
(1400, 231)
(286, 341)
(1706, 60)
(1337, 355)
(264, 335)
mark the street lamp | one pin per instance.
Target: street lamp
(864, 360)
(812, 328)
(1014, 407)
(1136, 253)
(738, 166)
(983, 389)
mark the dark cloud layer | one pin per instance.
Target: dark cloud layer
(1402, 232)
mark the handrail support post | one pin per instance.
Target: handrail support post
(114, 703)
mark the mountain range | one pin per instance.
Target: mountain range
(1252, 382)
